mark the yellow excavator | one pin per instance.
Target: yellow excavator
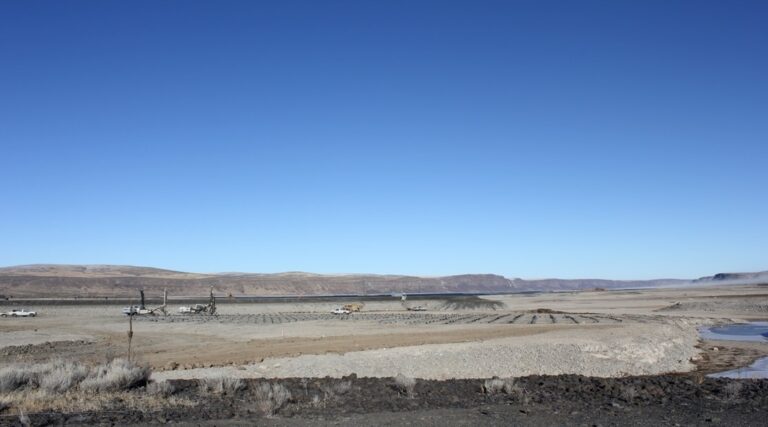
(354, 307)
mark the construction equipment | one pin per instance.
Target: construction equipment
(142, 310)
(209, 308)
(409, 307)
(354, 307)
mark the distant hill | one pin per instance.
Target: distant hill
(95, 270)
(49, 280)
(758, 277)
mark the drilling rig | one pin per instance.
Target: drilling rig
(209, 308)
(409, 307)
(142, 310)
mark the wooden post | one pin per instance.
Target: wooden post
(130, 334)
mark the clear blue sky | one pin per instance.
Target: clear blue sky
(531, 139)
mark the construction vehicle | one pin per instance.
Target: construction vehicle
(209, 308)
(409, 307)
(142, 310)
(354, 307)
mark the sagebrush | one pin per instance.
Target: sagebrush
(732, 391)
(405, 385)
(61, 376)
(221, 385)
(335, 389)
(64, 376)
(162, 389)
(119, 374)
(271, 397)
(501, 385)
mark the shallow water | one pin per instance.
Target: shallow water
(759, 369)
(753, 331)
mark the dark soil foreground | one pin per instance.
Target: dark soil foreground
(535, 401)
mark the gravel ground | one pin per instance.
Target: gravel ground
(17, 338)
(745, 305)
(384, 318)
(639, 349)
(601, 334)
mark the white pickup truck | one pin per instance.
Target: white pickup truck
(340, 310)
(19, 313)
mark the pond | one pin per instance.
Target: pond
(753, 331)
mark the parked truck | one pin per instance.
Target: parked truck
(19, 312)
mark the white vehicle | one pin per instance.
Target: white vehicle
(340, 310)
(136, 310)
(20, 313)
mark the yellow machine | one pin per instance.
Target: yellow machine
(354, 308)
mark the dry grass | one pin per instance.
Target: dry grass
(271, 397)
(405, 385)
(60, 376)
(221, 385)
(499, 385)
(161, 389)
(629, 393)
(70, 387)
(116, 375)
(732, 391)
(336, 389)
(330, 392)
(24, 419)
(63, 376)
(317, 401)
(341, 387)
(15, 377)
(34, 401)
